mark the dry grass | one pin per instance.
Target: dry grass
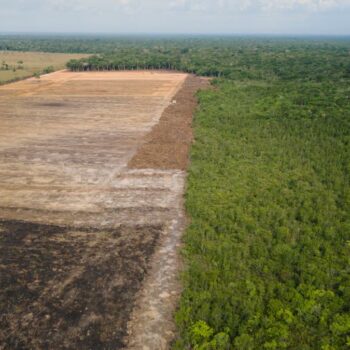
(32, 62)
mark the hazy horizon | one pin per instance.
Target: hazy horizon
(174, 17)
(174, 34)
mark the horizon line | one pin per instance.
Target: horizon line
(173, 34)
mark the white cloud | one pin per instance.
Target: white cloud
(211, 6)
(177, 16)
(94, 6)
(256, 5)
(302, 4)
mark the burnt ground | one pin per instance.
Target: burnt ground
(68, 288)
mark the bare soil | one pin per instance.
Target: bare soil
(88, 244)
(167, 145)
(77, 226)
(151, 324)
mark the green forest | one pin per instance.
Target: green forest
(235, 59)
(232, 57)
(268, 247)
(268, 195)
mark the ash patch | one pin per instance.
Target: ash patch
(69, 288)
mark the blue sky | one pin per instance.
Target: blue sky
(330, 17)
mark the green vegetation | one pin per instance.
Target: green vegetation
(236, 59)
(268, 193)
(16, 65)
(268, 247)
(306, 58)
(269, 199)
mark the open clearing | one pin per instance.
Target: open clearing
(78, 226)
(25, 64)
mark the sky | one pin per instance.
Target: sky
(281, 17)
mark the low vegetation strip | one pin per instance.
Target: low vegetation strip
(15, 66)
(268, 195)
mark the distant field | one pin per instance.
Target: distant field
(17, 65)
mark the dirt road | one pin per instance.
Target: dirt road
(79, 227)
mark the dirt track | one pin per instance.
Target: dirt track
(78, 227)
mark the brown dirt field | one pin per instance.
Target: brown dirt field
(65, 144)
(79, 230)
(167, 145)
(91, 208)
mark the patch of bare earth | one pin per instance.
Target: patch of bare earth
(167, 145)
(88, 244)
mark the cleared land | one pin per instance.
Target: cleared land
(78, 226)
(16, 65)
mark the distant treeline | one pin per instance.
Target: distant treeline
(257, 58)
(238, 60)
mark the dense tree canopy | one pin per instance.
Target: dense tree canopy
(235, 59)
(269, 242)
(307, 58)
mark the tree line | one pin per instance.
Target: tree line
(254, 61)
(231, 57)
